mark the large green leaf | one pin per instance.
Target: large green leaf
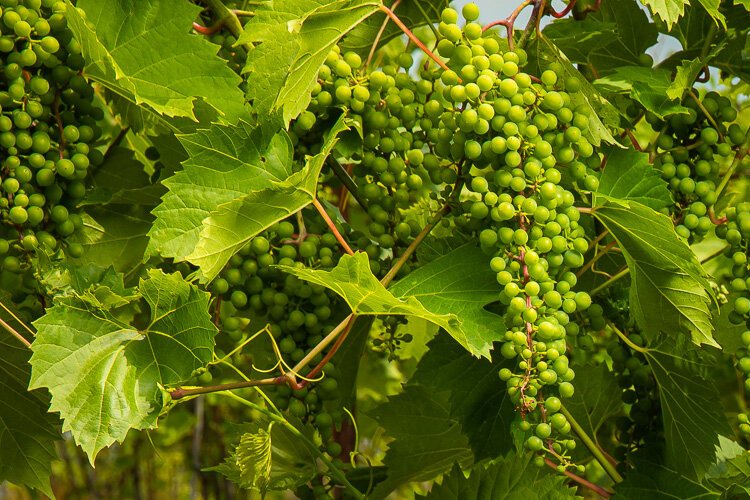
(512, 477)
(122, 180)
(596, 399)
(669, 291)
(691, 411)
(234, 223)
(450, 292)
(653, 480)
(27, 432)
(477, 399)
(602, 115)
(629, 175)
(648, 86)
(413, 13)
(105, 375)
(427, 440)
(224, 164)
(576, 38)
(118, 39)
(293, 40)
(274, 459)
(726, 51)
(668, 11)
(630, 34)
(115, 236)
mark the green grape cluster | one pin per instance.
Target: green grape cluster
(736, 232)
(48, 122)
(390, 105)
(509, 137)
(693, 148)
(299, 313)
(639, 393)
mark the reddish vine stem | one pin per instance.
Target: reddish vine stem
(208, 30)
(413, 37)
(322, 211)
(180, 393)
(380, 34)
(716, 220)
(633, 140)
(510, 21)
(563, 12)
(315, 371)
(583, 482)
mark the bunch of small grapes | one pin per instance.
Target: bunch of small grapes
(300, 314)
(48, 121)
(511, 136)
(396, 158)
(640, 394)
(736, 232)
(693, 149)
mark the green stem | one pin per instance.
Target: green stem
(610, 281)
(592, 447)
(226, 16)
(625, 339)
(413, 247)
(13, 332)
(342, 175)
(334, 471)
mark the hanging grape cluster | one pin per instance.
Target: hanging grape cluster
(694, 147)
(48, 125)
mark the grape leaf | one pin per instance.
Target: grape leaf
(224, 164)
(596, 399)
(118, 39)
(744, 3)
(634, 34)
(726, 51)
(483, 408)
(731, 471)
(413, 13)
(512, 477)
(712, 7)
(669, 291)
(122, 180)
(651, 479)
(630, 34)
(295, 39)
(629, 175)
(232, 224)
(27, 432)
(692, 415)
(112, 236)
(450, 292)
(269, 460)
(648, 86)
(254, 459)
(104, 375)
(668, 11)
(602, 115)
(577, 38)
(427, 440)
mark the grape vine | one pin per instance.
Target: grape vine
(369, 249)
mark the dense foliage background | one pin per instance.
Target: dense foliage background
(370, 249)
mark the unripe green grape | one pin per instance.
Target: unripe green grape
(18, 215)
